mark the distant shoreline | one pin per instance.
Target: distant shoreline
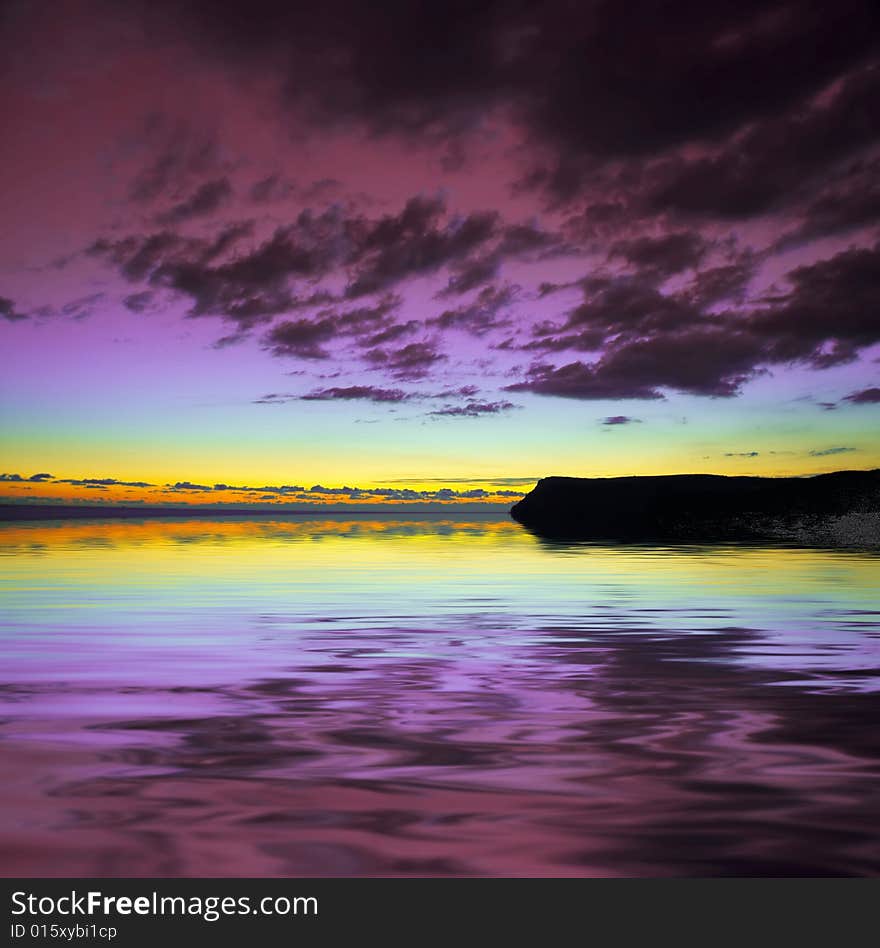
(10, 513)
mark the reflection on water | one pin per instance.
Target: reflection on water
(428, 697)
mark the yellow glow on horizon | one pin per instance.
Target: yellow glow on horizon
(52, 492)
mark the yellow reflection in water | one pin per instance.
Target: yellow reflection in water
(423, 552)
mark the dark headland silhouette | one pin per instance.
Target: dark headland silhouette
(839, 509)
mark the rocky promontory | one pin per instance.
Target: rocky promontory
(839, 509)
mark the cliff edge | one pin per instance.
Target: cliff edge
(839, 509)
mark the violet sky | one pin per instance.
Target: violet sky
(422, 252)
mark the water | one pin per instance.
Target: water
(431, 697)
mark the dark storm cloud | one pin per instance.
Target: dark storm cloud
(302, 338)
(206, 199)
(616, 308)
(829, 315)
(867, 396)
(651, 342)
(742, 454)
(600, 219)
(390, 334)
(773, 162)
(11, 477)
(306, 338)
(247, 288)
(9, 311)
(485, 313)
(657, 132)
(229, 277)
(772, 93)
(646, 341)
(346, 61)
(700, 362)
(723, 283)
(622, 90)
(848, 202)
(250, 287)
(528, 241)
(520, 242)
(470, 275)
(424, 237)
(413, 361)
(40, 477)
(664, 255)
(152, 256)
(415, 242)
(368, 318)
(775, 94)
(598, 78)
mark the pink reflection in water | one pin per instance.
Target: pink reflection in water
(432, 698)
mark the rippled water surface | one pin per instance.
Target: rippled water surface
(431, 697)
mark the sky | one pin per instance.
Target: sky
(423, 253)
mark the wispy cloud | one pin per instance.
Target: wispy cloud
(614, 420)
(473, 409)
(826, 452)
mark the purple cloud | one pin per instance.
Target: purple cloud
(614, 420)
(368, 393)
(206, 199)
(867, 396)
(473, 409)
(9, 311)
(413, 361)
